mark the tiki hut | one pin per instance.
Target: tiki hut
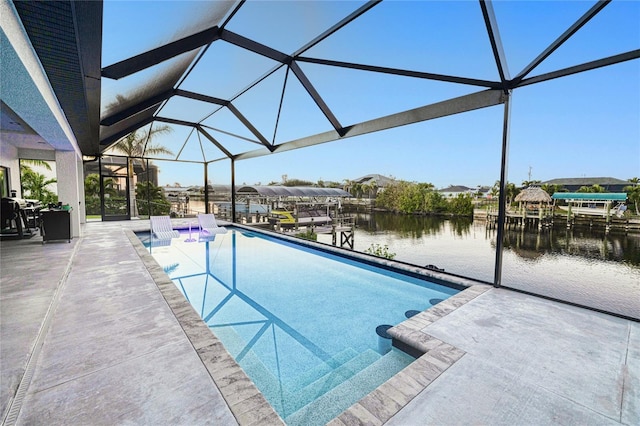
(533, 194)
(533, 198)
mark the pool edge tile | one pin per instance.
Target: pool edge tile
(437, 356)
(230, 380)
(261, 415)
(380, 406)
(336, 422)
(249, 409)
(392, 392)
(357, 415)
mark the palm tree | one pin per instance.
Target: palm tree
(552, 188)
(511, 191)
(365, 187)
(595, 188)
(137, 144)
(347, 184)
(92, 186)
(633, 193)
(35, 185)
(495, 189)
(40, 163)
(357, 190)
(156, 202)
(425, 189)
(373, 187)
(528, 183)
(92, 192)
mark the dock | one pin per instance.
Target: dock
(342, 229)
(520, 219)
(546, 219)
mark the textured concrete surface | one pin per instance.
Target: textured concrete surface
(30, 274)
(112, 352)
(107, 339)
(532, 361)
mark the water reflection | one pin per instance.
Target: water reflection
(410, 225)
(528, 243)
(262, 299)
(580, 265)
(574, 242)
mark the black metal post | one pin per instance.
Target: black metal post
(233, 191)
(206, 188)
(502, 200)
(102, 206)
(148, 182)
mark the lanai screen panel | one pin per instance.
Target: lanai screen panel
(367, 80)
(143, 81)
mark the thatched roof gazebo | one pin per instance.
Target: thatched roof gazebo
(533, 194)
(533, 202)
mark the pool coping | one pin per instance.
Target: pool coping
(436, 357)
(245, 400)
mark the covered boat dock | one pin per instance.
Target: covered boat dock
(295, 207)
(598, 207)
(536, 208)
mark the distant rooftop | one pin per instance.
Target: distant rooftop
(380, 180)
(291, 191)
(587, 181)
(456, 188)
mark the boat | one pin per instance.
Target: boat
(597, 209)
(309, 217)
(600, 204)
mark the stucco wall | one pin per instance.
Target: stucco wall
(9, 159)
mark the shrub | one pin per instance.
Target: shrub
(380, 251)
(308, 235)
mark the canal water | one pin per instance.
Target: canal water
(581, 265)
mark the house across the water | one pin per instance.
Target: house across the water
(609, 184)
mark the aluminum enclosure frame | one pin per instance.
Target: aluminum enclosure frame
(496, 93)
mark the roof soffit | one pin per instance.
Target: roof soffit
(67, 37)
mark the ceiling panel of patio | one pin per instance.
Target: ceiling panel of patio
(244, 79)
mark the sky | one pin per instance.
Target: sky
(585, 125)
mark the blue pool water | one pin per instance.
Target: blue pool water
(300, 322)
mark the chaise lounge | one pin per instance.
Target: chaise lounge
(209, 227)
(161, 228)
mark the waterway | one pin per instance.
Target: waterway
(580, 265)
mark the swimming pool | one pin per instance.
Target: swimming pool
(300, 322)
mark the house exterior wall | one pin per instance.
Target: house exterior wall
(28, 93)
(69, 176)
(9, 159)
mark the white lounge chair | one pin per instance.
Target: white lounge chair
(161, 228)
(208, 226)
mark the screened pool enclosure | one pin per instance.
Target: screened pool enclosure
(223, 89)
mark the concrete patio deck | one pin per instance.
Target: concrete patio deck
(90, 334)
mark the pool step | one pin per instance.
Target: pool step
(315, 382)
(284, 398)
(331, 404)
(230, 339)
(253, 366)
(332, 387)
(321, 369)
(289, 397)
(234, 343)
(331, 380)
